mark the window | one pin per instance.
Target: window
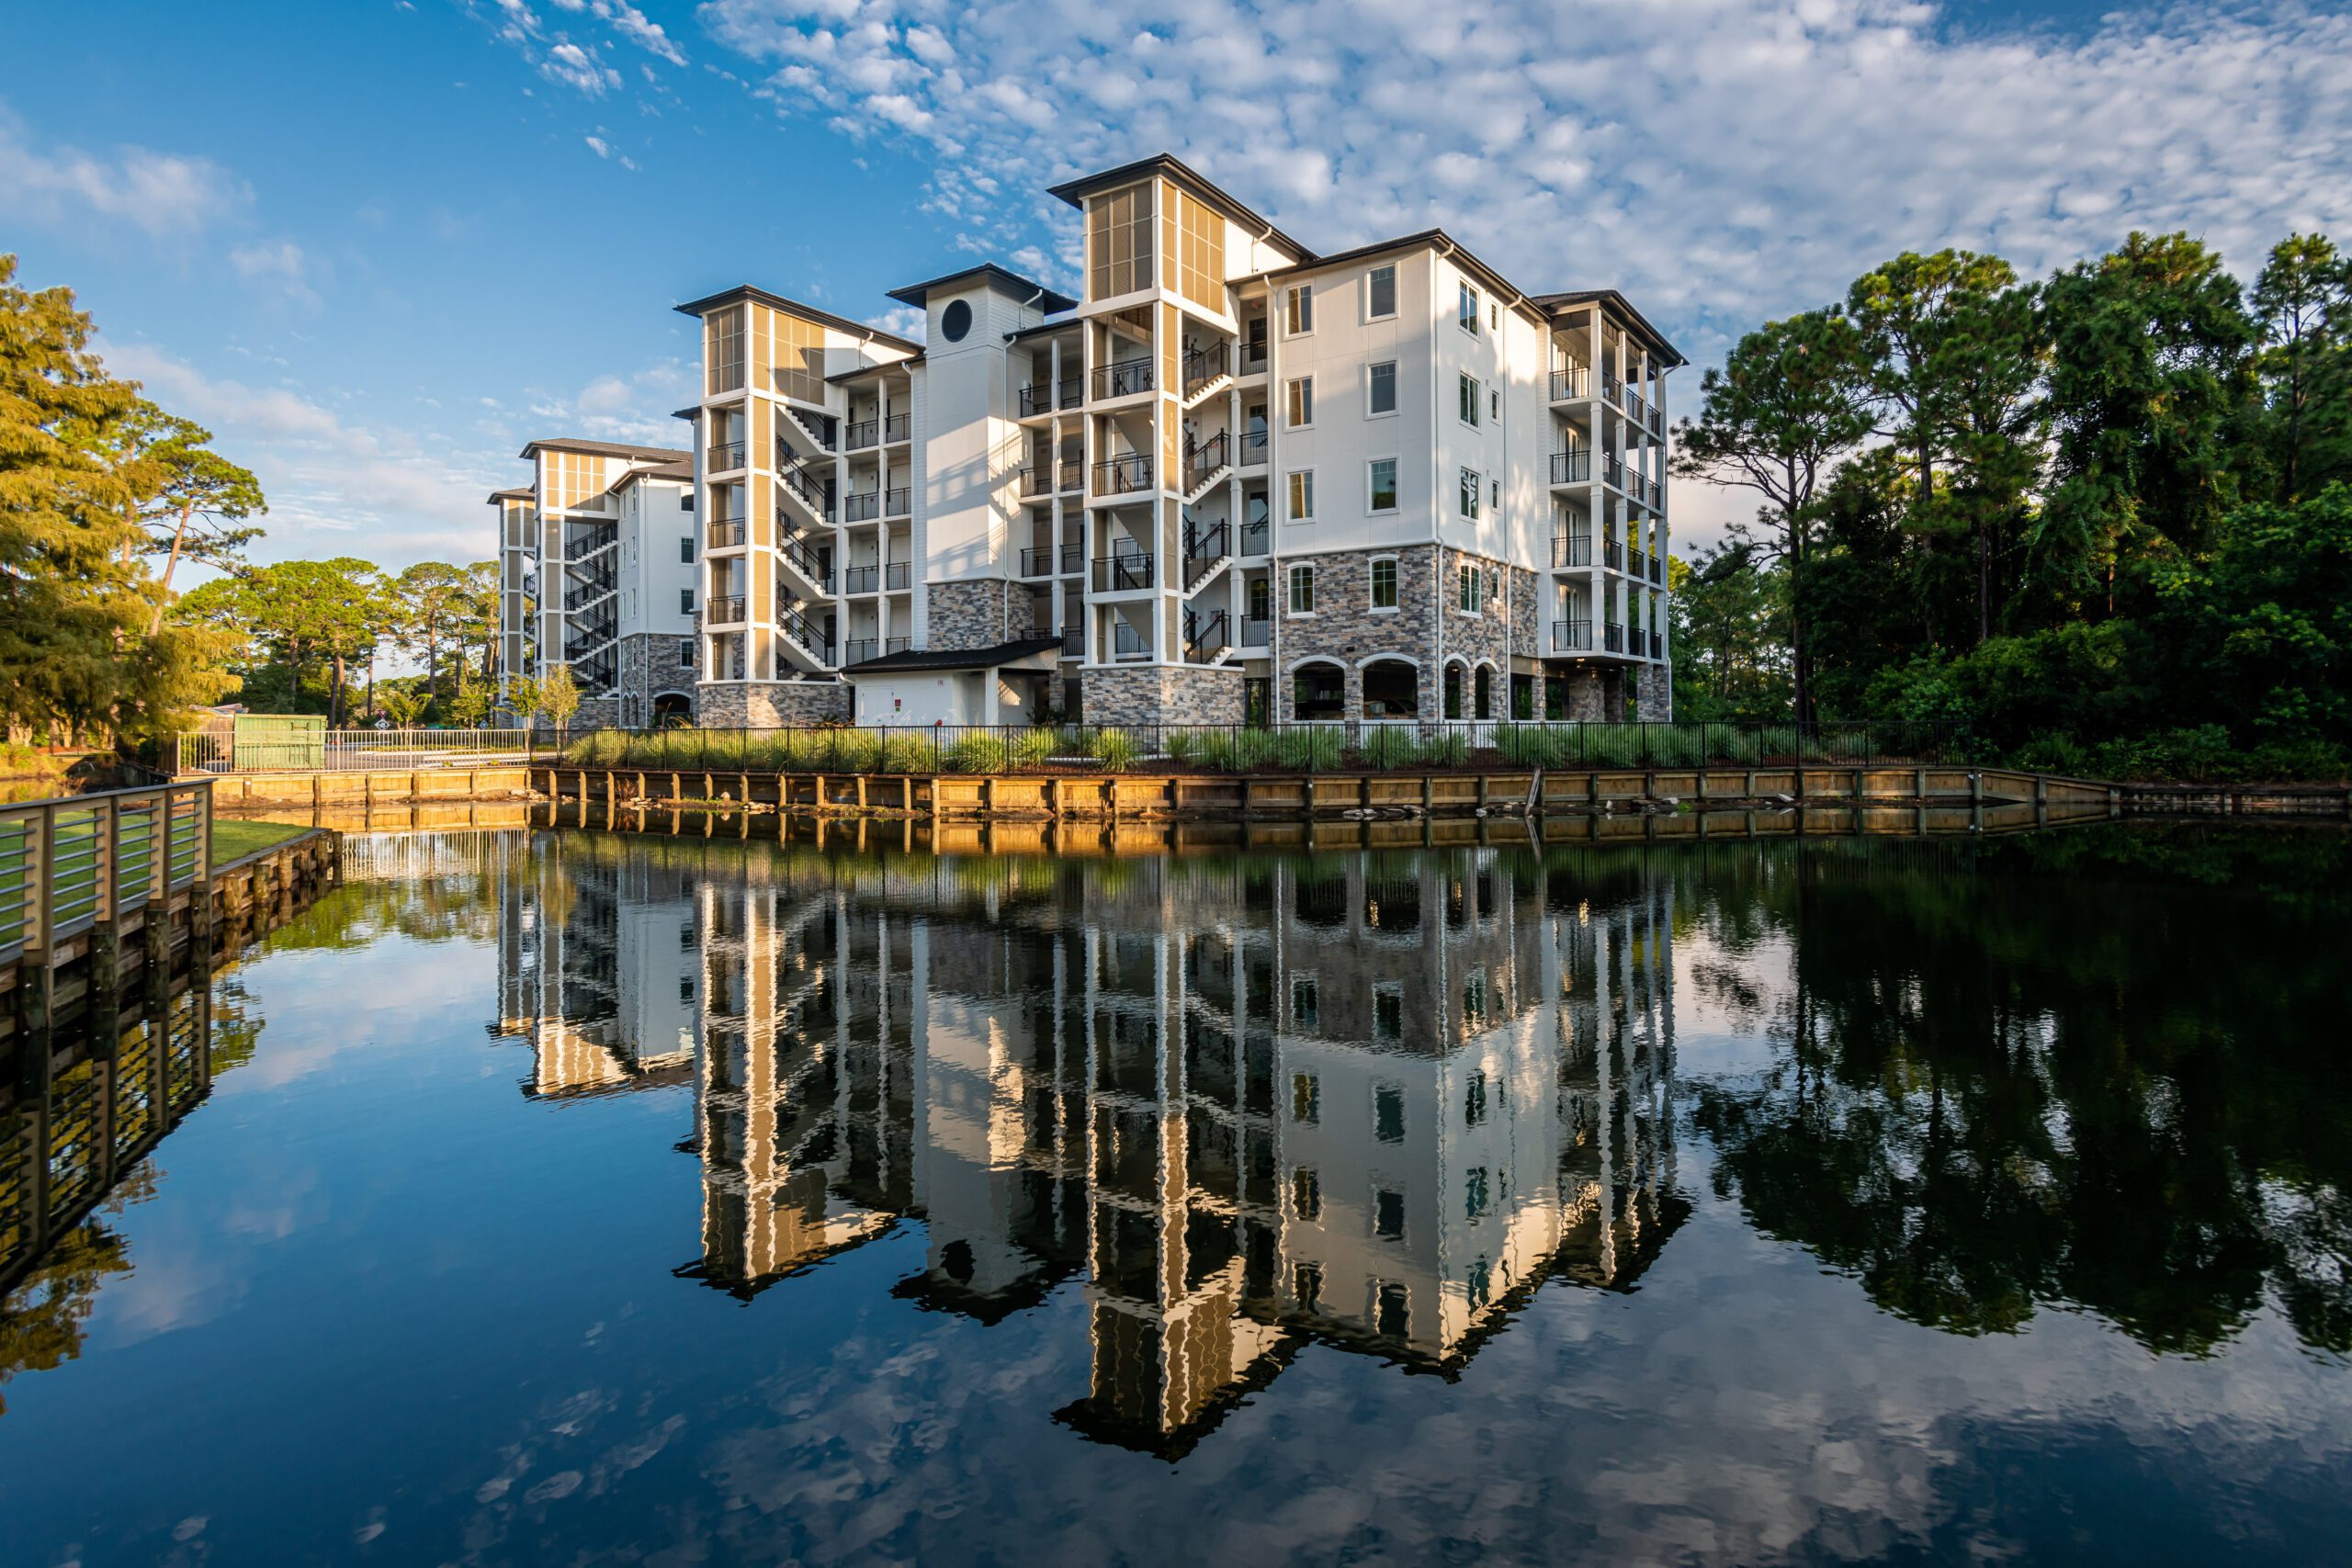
(1470, 492)
(1305, 1093)
(1392, 1312)
(1261, 599)
(1302, 495)
(1473, 989)
(1494, 404)
(1307, 1284)
(1119, 243)
(686, 652)
(1474, 1101)
(1383, 585)
(1389, 1012)
(1301, 591)
(1387, 1105)
(1494, 314)
(1469, 601)
(1381, 389)
(1388, 1214)
(1380, 292)
(1474, 1191)
(1384, 486)
(1468, 401)
(1495, 492)
(685, 601)
(1298, 310)
(1307, 1193)
(686, 549)
(1301, 402)
(686, 502)
(1469, 316)
(1481, 1282)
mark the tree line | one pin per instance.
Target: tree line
(2100, 520)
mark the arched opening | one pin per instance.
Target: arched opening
(1318, 690)
(1482, 693)
(673, 710)
(1454, 691)
(1392, 689)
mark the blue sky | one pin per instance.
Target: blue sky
(377, 245)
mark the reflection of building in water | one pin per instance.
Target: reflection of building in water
(598, 966)
(1367, 1099)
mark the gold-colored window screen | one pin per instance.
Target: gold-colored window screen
(1118, 243)
(722, 353)
(1197, 242)
(790, 355)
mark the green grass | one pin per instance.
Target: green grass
(233, 837)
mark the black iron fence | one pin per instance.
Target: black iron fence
(1338, 746)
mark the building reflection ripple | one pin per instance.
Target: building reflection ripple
(1372, 1099)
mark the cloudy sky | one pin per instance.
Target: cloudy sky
(377, 245)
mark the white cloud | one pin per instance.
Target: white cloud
(574, 67)
(281, 266)
(636, 407)
(162, 193)
(1722, 162)
(335, 487)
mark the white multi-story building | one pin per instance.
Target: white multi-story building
(599, 569)
(1236, 480)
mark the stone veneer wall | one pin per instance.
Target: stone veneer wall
(1654, 692)
(1586, 699)
(969, 615)
(1525, 589)
(650, 665)
(596, 713)
(1346, 628)
(1157, 694)
(768, 705)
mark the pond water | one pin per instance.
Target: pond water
(585, 1197)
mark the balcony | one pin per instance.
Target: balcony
(1120, 573)
(1571, 383)
(1037, 400)
(726, 610)
(897, 428)
(860, 506)
(1571, 549)
(858, 649)
(1122, 379)
(894, 576)
(1073, 643)
(1638, 407)
(1062, 476)
(1573, 466)
(724, 535)
(1257, 633)
(1612, 470)
(1637, 641)
(897, 502)
(1613, 555)
(1611, 388)
(1257, 538)
(1126, 642)
(1122, 476)
(1253, 448)
(1572, 637)
(860, 434)
(1613, 638)
(862, 579)
(724, 457)
(1040, 562)
(1658, 570)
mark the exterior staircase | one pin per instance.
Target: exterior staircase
(1207, 371)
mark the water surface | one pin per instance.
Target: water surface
(580, 1197)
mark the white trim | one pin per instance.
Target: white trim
(1388, 658)
(1396, 486)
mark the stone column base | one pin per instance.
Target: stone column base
(769, 705)
(1157, 693)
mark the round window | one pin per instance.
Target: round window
(955, 320)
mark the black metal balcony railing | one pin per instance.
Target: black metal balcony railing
(1204, 548)
(1612, 470)
(1037, 398)
(1571, 549)
(1122, 379)
(897, 644)
(860, 506)
(1126, 642)
(1256, 538)
(1073, 642)
(1122, 476)
(1207, 459)
(894, 576)
(1254, 444)
(861, 578)
(1573, 466)
(895, 500)
(1115, 574)
(895, 428)
(1636, 406)
(1571, 636)
(1611, 388)
(812, 565)
(805, 487)
(1613, 555)
(858, 649)
(1204, 636)
(587, 594)
(1053, 477)
(1658, 420)
(1658, 570)
(808, 634)
(724, 535)
(1205, 365)
(1570, 382)
(860, 433)
(1256, 632)
(818, 427)
(1613, 638)
(726, 610)
(1040, 561)
(725, 454)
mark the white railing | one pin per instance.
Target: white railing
(74, 862)
(213, 752)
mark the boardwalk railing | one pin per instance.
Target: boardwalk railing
(1340, 745)
(341, 750)
(70, 864)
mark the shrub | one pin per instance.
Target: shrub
(1112, 751)
(1313, 750)
(1389, 747)
(976, 753)
(1036, 748)
(604, 749)
(906, 754)
(1450, 750)
(853, 750)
